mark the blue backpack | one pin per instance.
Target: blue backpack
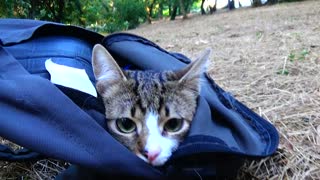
(54, 121)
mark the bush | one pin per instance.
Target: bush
(129, 13)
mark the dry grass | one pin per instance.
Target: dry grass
(43, 169)
(269, 59)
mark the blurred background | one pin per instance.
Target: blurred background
(108, 16)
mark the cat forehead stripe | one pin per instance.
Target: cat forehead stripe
(144, 76)
(133, 111)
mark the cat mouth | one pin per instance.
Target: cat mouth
(155, 162)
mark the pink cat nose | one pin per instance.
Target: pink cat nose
(152, 155)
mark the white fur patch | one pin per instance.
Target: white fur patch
(155, 140)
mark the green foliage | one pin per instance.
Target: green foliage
(303, 54)
(293, 56)
(300, 55)
(99, 15)
(114, 15)
(14, 8)
(283, 72)
(166, 12)
(129, 13)
(259, 34)
(195, 7)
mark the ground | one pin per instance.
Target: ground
(269, 59)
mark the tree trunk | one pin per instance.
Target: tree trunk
(256, 3)
(31, 14)
(149, 9)
(231, 4)
(214, 8)
(174, 11)
(160, 13)
(150, 12)
(187, 6)
(202, 9)
(61, 6)
(182, 9)
(271, 2)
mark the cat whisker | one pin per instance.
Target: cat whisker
(197, 174)
(143, 157)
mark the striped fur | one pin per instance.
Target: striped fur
(150, 99)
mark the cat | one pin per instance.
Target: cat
(148, 112)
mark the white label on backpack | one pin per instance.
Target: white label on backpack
(70, 77)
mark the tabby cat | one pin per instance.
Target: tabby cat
(148, 112)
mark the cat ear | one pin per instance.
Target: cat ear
(104, 66)
(191, 74)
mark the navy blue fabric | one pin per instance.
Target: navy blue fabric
(59, 122)
(32, 116)
(121, 37)
(65, 50)
(14, 31)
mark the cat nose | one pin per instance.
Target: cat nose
(153, 154)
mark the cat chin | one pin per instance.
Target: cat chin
(157, 162)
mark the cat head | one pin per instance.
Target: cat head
(148, 112)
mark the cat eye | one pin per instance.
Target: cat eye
(173, 125)
(125, 125)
